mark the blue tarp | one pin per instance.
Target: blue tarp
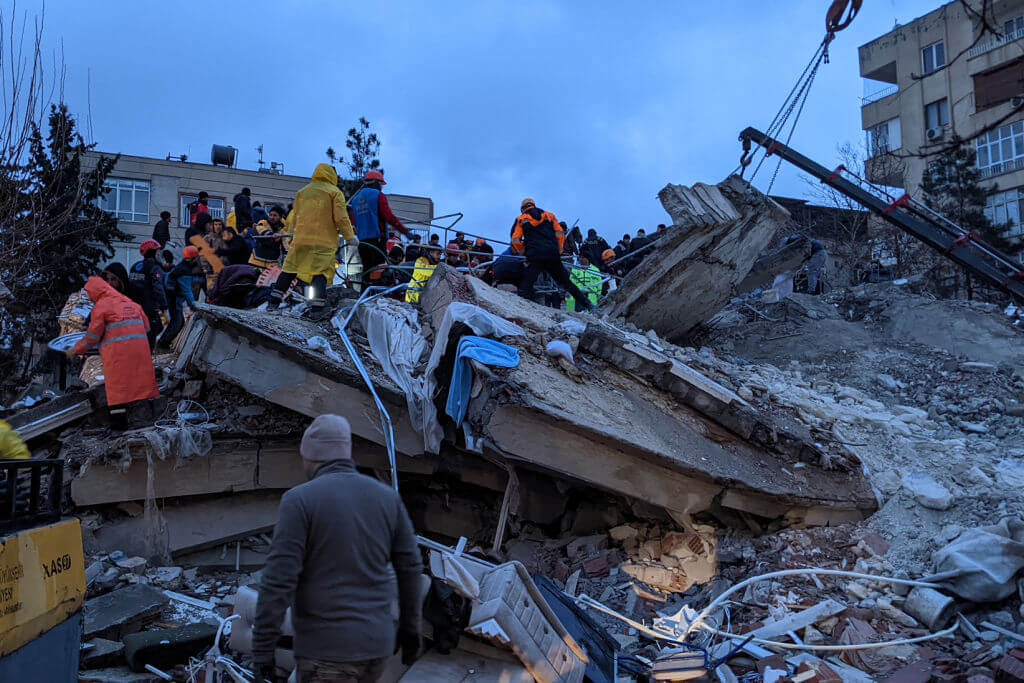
(486, 351)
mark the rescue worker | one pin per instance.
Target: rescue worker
(116, 276)
(372, 213)
(508, 269)
(340, 541)
(318, 219)
(484, 250)
(259, 213)
(593, 247)
(11, 445)
(608, 257)
(425, 267)
(243, 210)
(538, 235)
(146, 286)
(266, 241)
(162, 229)
(233, 250)
(179, 294)
(588, 278)
(119, 327)
(199, 207)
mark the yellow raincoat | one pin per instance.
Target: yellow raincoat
(11, 445)
(318, 218)
(424, 270)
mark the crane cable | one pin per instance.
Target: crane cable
(796, 99)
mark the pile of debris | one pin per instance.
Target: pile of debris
(771, 503)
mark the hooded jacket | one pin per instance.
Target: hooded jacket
(319, 216)
(118, 326)
(243, 211)
(340, 542)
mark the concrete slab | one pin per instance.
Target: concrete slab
(123, 611)
(194, 525)
(718, 234)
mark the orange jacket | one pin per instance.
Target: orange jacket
(118, 326)
(537, 226)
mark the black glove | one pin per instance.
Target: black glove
(410, 642)
(267, 672)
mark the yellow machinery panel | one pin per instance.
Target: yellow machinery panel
(42, 581)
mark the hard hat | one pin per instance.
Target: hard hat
(607, 254)
(191, 252)
(376, 175)
(527, 203)
(149, 245)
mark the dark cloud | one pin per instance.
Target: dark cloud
(589, 107)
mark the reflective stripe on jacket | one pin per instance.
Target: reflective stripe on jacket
(118, 327)
(423, 272)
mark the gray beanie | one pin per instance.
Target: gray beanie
(328, 438)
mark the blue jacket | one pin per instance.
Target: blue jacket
(365, 207)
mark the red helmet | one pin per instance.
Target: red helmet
(376, 175)
(191, 252)
(149, 245)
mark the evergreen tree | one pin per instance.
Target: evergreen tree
(53, 236)
(951, 186)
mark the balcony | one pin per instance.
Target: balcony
(879, 94)
(995, 44)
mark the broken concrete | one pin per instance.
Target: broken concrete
(121, 612)
(193, 526)
(719, 232)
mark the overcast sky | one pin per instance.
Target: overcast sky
(589, 107)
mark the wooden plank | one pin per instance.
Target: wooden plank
(280, 466)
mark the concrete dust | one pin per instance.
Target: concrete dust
(894, 376)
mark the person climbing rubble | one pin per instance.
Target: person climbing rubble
(337, 538)
(588, 278)
(539, 236)
(179, 294)
(118, 327)
(318, 219)
(146, 286)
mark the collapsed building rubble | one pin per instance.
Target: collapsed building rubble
(718, 233)
(620, 488)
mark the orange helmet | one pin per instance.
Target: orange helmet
(191, 252)
(149, 245)
(375, 176)
(527, 204)
(607, 255)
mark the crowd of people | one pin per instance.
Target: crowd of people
(257, 255)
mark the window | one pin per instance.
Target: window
(933, 57)
(936, 114)
(1001, 150)
(885, 137)
(216, 208)
(127, 199)
(1004, 208)
(1013, 28)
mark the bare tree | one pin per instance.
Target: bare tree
(52, 231)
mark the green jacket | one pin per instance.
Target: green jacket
(589, 281)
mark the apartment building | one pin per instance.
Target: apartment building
(937, 77)
(142, 187)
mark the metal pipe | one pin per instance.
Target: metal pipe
(387, 428)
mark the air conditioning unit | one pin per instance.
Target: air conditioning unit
(934, 134)
(1017, 101)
